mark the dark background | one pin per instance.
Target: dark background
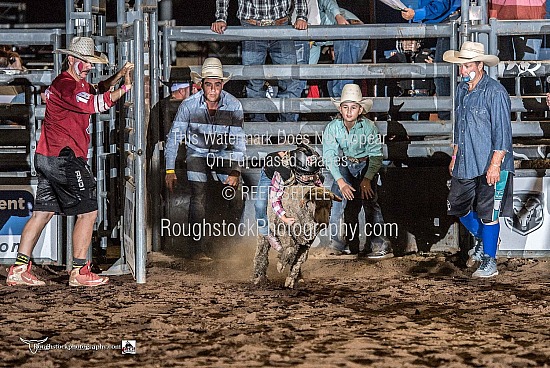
(195, 12)
(201, 13)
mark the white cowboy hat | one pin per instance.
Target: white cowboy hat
(84, 49)
(469, 52)
(211, 68)
(352, 93)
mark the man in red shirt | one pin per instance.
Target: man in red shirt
(66, 184)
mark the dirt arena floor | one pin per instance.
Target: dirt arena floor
(411, 311)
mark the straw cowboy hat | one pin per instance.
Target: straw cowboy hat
(84, 49)
(211, 68)
(352, 93)
(469, 52)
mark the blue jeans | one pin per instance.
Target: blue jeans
(353, 174)
(532, 49)
(260, 205)
(281, 52)
(442, 85)
(373, 215)
(302, 57)
(338, 233)
(302, 53)
(346, 52)
(315, 53)
(337, 239)
(198, 174)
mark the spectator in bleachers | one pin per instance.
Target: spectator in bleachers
(411, 51)
(519, 47)
(303, 47)
(258, 13)
(11, 61)
(434, 12)
(345, 51)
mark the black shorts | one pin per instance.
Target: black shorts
(490, 202)
(66, 185)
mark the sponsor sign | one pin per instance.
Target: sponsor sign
(16, 204)
(529, 228)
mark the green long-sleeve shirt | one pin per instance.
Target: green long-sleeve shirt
(362, 140)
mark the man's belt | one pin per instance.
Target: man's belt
(268, 22)
(356, 160)
(354, 21)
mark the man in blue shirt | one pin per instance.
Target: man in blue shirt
(210, 123)
(482, 163)
(433, 12)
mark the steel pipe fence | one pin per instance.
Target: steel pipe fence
(317, 33)
(138, 26)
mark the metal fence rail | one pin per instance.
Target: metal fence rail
(138, 27)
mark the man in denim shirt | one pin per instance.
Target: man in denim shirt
(482, 163)
(210, 123)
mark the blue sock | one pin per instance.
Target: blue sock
(489, 234)
(472, 223)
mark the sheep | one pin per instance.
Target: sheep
(310, 207)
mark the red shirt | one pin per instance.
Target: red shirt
(69, 104)
(517, 9)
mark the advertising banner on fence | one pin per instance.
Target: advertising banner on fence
(16, 204)
(529, 229)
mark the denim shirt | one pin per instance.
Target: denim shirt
(221, 135)
(362, 140)
(483, 125)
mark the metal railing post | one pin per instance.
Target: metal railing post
(166, 58)
(453, 77)
(155, 187)
(139, 163)
(464, 21)
(493, 45)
